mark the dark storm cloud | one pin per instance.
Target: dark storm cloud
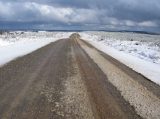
(106, 14)
(138, 10)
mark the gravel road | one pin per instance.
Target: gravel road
(69, 79)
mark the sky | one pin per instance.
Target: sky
(140, 15)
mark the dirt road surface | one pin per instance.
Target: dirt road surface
(70, 79)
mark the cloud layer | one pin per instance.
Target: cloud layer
(82, 14)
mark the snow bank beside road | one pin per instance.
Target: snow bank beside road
(143, 46)
(15, 45)
(147, 68)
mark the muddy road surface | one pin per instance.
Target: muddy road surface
(69, 79)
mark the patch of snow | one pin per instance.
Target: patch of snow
(143, 46)
(140, 55)
(13, 45)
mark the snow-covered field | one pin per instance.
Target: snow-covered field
(141, 52)
(16, 44)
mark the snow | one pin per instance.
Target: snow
(140, 52)
(17, 44)
(144, 58)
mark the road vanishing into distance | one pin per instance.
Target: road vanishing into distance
(70, 79)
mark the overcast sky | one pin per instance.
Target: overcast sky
(81, 14)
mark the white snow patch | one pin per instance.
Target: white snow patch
(16, 44)
(141, 58)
